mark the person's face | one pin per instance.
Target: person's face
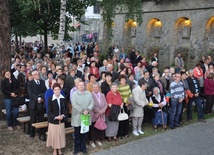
(191, 74)
(96, 88)
(105, 63)
(92, 79)
(123, 81)
(129, 71)
(157, 78)
(172, 70)
(50, 76)
(74, 67)
(57, 91)
(177, 77)
(7, 75)
(114, 89)
(146, 75)
(59, 72)
(166, 72)
(30, 77)
(108, 78)
(155, 91)
(65, 69)
(131, 77)
(103, 76)
(23, 68)
(93, 64)
(81, 86)
(211, 67)
(184, 76)
(144, 87)
(38, 66)
(36, 75)
(139, 64)
(43, 70)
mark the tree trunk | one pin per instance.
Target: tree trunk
(5, 39)
(46, 40)
(62, 23)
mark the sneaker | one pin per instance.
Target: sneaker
(140, 132)
(18, 127)
(202, 120)
(92, 144)
(135, 133)
(99, 143)
(10, 128)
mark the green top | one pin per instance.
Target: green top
(125, 92)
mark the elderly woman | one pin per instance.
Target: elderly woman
(98, 111)
(10, 89)
(139, 101)
(209, 92)
(57, 116)
(82, 103)
(158, 83)
(125, 92)
(159, 102)
(114, 101)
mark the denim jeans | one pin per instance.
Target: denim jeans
(198, 103)
(159, 119)
(11, 113)
(175, 112)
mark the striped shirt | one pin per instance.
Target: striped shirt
(125, 92)
(177, 90)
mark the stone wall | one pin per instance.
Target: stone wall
(169, 27)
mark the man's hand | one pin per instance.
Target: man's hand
(180, 100)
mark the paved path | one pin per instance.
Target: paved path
(194, 139)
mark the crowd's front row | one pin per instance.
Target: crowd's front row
(107, 107)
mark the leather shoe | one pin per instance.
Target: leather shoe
(172, 127)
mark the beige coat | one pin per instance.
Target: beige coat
(80, 103)
(140, 100)
(177, 63)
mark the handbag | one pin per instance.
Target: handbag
(85, 120)
(188, 92)
(100, 124)
(122, 115)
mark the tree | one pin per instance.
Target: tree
(5, 54)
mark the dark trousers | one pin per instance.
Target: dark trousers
(198, 103)
(209, 103)
(124, 125)
(80, 140)
(34, 116)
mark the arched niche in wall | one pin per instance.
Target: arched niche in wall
(154, 28)
(183, 27)
(131, 26)
(210, 31)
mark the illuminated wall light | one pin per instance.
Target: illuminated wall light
(158, 24)
(187, 22)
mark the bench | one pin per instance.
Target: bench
(20, 110)
(42, 125)
(26, 120)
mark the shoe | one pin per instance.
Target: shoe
(109, 139)
(135, 133)
(190, 121)
(202, 120)
(32, 136)
(99, 143)
(172, 127)
(115, 139)
(18, 127)
(155, 128)
(92, 144)
(178, 125)
(140, 132)
(10, 128)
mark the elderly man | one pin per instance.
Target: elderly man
(104, 67)
(36, 89)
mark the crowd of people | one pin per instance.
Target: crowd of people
(79, 84)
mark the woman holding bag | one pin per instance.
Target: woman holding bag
(97, 114)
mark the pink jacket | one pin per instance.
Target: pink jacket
(208, 87)
(98, 106)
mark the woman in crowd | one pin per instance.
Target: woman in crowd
(115, 63)
(105, 86)
(57, 115)
(94, 70)
(159, 101)
(210, 70)
(125, 92)
(61, 81)
(115, 101)
(138, 102)
(82, 103)
(102, 78)
(158, 83)
(10, 89)
(98, 111)
(137, 71)
(198, 73)
(209, 92)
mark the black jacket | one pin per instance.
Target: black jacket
(191, 85)
(35, 91)
(114, 112)
(53, 110)
(7, 87)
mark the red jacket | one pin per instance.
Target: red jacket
(208, 87)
